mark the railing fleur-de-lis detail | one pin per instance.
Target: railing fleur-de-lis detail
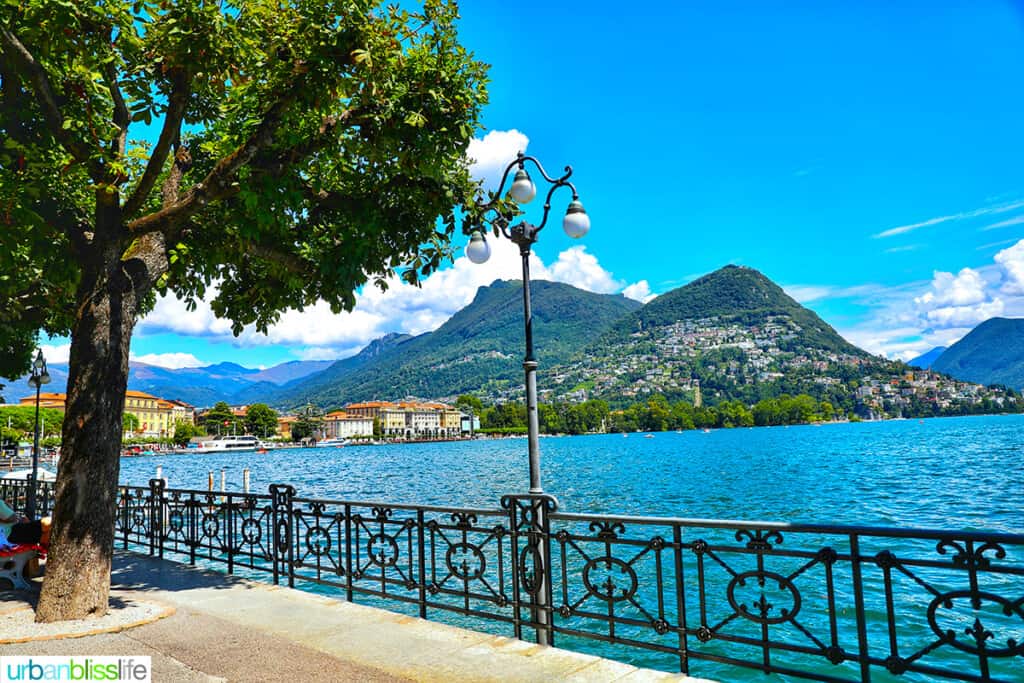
(832, 603)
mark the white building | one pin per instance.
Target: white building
(342, 425)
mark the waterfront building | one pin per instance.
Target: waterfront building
(156, 416)
(341, 425)
(411, 420)
(46, 400)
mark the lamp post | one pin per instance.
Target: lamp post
(37, 379)
(576, 224)
(499, 215)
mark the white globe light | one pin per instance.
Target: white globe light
(576, 222)
(478, 251)
(522, 190)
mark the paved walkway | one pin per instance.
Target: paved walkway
(226, 628)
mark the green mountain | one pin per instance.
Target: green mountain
(991, 353)
(479, 349)
(734, 334)
(734, 294)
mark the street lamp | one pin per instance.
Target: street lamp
(37, 379)
(575, 223)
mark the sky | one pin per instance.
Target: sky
(865, 156)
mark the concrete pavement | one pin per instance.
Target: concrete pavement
(227, 628)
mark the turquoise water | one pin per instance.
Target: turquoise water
(963, 473)
(948, 472)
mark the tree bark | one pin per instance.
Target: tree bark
(77, 583)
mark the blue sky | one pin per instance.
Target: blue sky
(866, 156)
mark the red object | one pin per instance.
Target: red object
(23, 548)
(226, 422)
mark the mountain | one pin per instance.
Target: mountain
(733, 333)
(479, 349)
(199, 386)
(991, 353)
(925, 360)
(733, 294)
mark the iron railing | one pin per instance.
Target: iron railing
(829, 603)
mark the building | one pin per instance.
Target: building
(411, 420)
(46, 400)
(341, 425)
(156, 416)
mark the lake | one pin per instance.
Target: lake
(964, 472)
(952, 473)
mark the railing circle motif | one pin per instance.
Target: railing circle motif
(318, 541)
(978, 634)
(176, 521)
(760, 607)
(210, 525)
(602, 577)
(383, 550)
(466, 568)
(251, 531)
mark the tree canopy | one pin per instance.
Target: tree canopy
(303, 148)
(262, 155)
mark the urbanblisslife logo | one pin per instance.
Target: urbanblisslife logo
(108, 669)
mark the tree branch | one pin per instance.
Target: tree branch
(33, 72)
(176, 103)
(121, 116)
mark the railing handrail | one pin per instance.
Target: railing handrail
(832, 529)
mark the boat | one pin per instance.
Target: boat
(41, 474)
(228, 443)
(332, 443)
(648, 436)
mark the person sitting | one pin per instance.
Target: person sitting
(18, 529)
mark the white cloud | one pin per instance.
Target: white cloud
(59, 353)
(1012, 261)
(1016, 220)
(984, 211)
(170, 360)
(318, 334)
(580, 269)
(640, 291)
(490, 156)
(963, 289)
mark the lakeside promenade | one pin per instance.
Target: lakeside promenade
(228, 628)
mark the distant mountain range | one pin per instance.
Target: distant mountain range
(479, 349)
(991, 353)
(198, 386)
(732, 334)
(925, 360)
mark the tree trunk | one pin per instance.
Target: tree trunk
(77, 583)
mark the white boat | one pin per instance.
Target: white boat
(41, 474)
(332, 443)
(228, 443)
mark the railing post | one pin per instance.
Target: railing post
(677, 547)
(421, 541)
(531, 568)
(348, 552)
(858, 596)
(281, 504)
(156, 517)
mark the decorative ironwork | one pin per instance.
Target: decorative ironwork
(831, 603)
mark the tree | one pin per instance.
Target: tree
(469, 403)
(305, 148)
(129, 423)
(261, 420)
(220, 419)
(184, 430)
